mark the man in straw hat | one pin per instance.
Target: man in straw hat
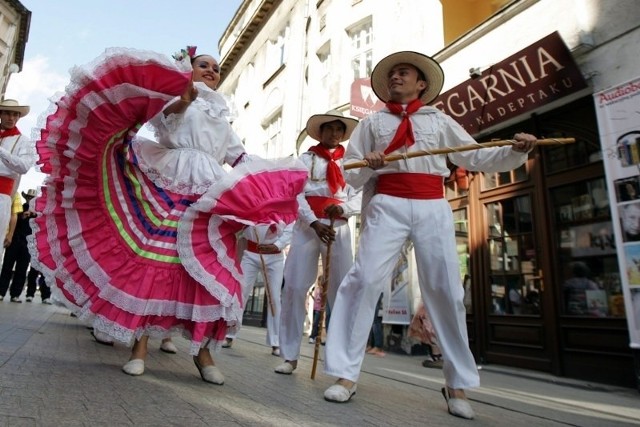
(325, 196)
(17, 156)
(409, 204)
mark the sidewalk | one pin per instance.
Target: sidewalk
(53, 373)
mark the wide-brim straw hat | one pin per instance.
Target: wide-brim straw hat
(317, 120)
(30, 193)
(429, 66)
(13, 105)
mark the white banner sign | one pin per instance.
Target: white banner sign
(618, 111)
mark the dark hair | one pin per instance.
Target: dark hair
(421, 76)
(198, 56)
(344, 127)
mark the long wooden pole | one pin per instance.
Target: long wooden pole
(323, 303)
(267, 288)
(501, 143)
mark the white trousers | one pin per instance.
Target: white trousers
(251, 265)
(300, 273)
(390, 221)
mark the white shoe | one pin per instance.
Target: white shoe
(458, 407)
(134, 367)
(312, 341)
(339, 393)
(47, 301)
(1, 298)
(285, 368)
(168, 347)
(16, 299)
(28, 299)
(210, 374)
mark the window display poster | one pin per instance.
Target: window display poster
(397, 298)
(618, 113)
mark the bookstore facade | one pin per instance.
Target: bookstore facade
(536, 245)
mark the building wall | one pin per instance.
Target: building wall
(301, 88)
(14, 23)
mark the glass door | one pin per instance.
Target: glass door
(515, 284)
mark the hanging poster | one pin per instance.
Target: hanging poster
(618, 112)
(397, 298)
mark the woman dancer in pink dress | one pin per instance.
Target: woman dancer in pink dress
(138, 237)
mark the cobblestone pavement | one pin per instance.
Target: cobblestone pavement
(52, 373)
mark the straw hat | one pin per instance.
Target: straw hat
(30, 193)
(431, 69)
(13, 105)
(317, 120)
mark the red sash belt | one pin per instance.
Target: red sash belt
(319, 203)
(6, 185)
(411, 185)
(253, 247)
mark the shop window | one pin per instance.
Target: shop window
(494, 180)
(589, 276)
(570, 156)
(575, 120)
(461, 223)
(515, 285)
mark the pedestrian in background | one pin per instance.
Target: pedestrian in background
(9, 281)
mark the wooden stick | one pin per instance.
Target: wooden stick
(323, 303)
(447, 150)
(267, 289)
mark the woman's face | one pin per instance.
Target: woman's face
(206, 70)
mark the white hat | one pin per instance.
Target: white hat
(30, 193)
(429, 66)
(13, 105)
(317, 120)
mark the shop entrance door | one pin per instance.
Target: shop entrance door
(515, 293)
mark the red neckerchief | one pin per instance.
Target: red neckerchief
(334, 174)
(9, 132)
(404, 134)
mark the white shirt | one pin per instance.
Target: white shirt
(17, 156)
(317, 185)
(432, 129)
